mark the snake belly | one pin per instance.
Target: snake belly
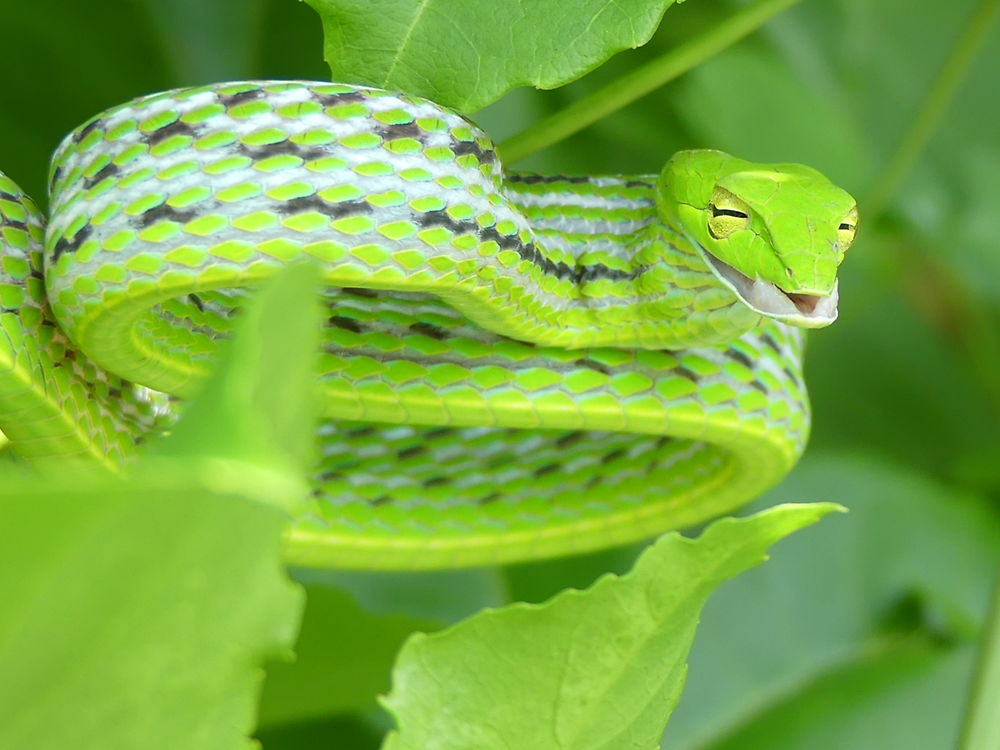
(494, 389)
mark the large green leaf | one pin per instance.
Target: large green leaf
(467, 54)
(138, 612)
(260, 406)
(353, 625)
(595, 669)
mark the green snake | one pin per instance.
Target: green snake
(514, 366)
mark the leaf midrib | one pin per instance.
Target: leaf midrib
(421, 9)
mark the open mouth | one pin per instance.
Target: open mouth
(806, 310)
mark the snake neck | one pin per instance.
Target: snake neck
(635, 278)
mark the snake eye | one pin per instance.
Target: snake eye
(729, 214)
(847, 229)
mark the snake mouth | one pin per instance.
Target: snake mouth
(805, 310)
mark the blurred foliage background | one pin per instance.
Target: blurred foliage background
(861, 632)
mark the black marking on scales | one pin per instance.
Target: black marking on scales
(165, 212)
(535, 179)
(177, 127)
(770, 342)
(344, 97)
(13, 223)
(108, 170)
(484, 156)
(743, 359)
(88, 128)
(240, 97)
(413, 450)
(285, 148)
(527, 250)
(57, 174)
(430, 330)
(570, 438)
(391, 132)
(541, 471)
(71, 244)
(609, 457)
(360, 292)
(338, 210)
(346, 324)
(592, 364)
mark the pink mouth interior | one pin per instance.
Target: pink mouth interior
(806, 303)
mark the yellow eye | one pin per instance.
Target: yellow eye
(727, 214)
(847, 229)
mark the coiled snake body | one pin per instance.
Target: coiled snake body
(514, 366)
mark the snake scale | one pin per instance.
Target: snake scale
(514, 366)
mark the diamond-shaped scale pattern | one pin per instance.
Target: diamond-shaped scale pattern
(514, 365)
(54, 402)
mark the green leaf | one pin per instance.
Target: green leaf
(137, 613)
(260, 406)
(467, 54)
(353, 626)
(595, 669)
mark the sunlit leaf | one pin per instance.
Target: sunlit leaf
(467, 54)
(600, 668)
(138, 612)
(260, 406)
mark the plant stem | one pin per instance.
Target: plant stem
(975, 329)
(982, 716)
(640, 81)
(935, 105)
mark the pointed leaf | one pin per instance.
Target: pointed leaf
(259, 406)
(137, 613)
(599, 669)
(467, 54)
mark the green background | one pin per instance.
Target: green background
(861, 632)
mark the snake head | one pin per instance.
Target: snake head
(774, 234)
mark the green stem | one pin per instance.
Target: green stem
(640, 81)
(982, 717)
(935, 105)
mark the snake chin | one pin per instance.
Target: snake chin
(805, 310)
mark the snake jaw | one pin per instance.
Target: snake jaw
(805, 310)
